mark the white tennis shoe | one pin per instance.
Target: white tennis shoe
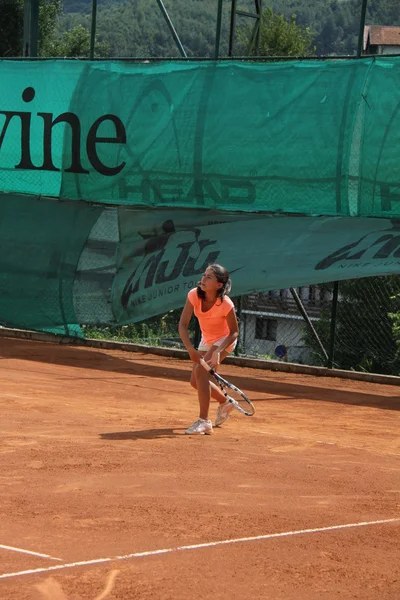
(223, 412)
(201, 427)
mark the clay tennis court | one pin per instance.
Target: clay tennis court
(95, 465)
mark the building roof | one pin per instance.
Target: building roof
(381, 36)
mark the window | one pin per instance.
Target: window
(266, 329)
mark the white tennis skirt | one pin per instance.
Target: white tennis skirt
(203, 347)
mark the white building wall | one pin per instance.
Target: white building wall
(290, 333)
(389, 49)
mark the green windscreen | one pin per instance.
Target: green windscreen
(301, 137)
(121, 181)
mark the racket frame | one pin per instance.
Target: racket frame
(223, 383)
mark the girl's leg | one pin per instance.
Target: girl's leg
(215, 390)
(205, 388)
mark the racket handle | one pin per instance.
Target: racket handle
(205, 365)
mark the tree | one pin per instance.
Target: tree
(396, 331)
(48, 13)
(12, 24)
(138, 28)
(383, 12)
(11, 28)
(132, 28)
(279, 36)
(74, 43)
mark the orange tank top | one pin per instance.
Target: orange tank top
(213, 322)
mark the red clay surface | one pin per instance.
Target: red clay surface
(95, 464)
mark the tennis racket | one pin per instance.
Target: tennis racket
(235, 396)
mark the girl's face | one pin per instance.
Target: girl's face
(209, 283)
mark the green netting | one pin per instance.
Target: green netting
(155, 170)
(40, 245)
(311, 137)
(69, 263)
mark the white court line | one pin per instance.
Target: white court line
(23, 551)
(97, 561)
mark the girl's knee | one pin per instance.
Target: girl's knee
(201, 373)
(193, 377)
(197, 373)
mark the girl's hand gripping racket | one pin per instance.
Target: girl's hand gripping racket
(235, 396)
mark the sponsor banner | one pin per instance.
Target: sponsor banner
(302, 137)
(162, 255)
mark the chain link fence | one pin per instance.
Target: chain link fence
(292, 325)
(362, 336)
(272, 324)
(354, 324)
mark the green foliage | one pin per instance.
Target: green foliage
(368, 326)
(74, 43)
(395, 317)
(12, 24)
(157, 331)
(383, 12)
(336, 23)
(48, 13)
(11, 27)
(278, 37)
(137, 28)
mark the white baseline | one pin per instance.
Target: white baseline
(23, 551)
(256, 538)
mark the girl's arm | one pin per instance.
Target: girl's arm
(230, 339)
(184, 332)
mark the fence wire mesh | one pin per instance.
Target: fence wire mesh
(273, 326)
(291, 325)
(366, 325)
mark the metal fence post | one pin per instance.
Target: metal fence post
(172, 28)
(232, 27)
(218, 32)
(239, 314)
(362, 27)
(333, 325)
(31, 28)
(307, 319)
(93, 29)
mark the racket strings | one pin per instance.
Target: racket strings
(239, 400)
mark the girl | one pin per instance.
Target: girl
(219, 328)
